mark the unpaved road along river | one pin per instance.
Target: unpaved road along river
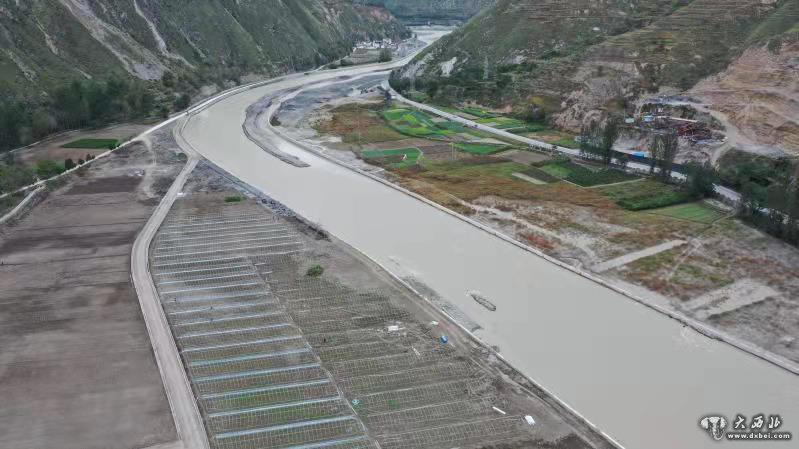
(641, 377)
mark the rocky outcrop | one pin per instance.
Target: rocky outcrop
(759, 95)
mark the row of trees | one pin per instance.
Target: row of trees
(769, 192)
(73, 106)
(774, 208)
(84, 104)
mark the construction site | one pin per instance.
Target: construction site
(292, 339)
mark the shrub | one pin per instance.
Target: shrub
(47, 169)
(315, 271)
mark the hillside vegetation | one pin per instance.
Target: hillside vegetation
(422, 11)
(76, 63)
(573, 59)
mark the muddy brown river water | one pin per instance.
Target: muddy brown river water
(641, 377)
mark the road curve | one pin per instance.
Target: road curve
(638, 375)
(188, 421)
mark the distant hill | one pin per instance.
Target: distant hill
(423, 11)
(574, 59)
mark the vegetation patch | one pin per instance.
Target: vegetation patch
(647, 194)
(93, 144)
(357, 123)
(479, 148)
(315, 271)
(478, 112)
(414, 123)
(540, 175)
(584, 176)
(233, 199)
(506, 123)
(698, 212)
(399, 158)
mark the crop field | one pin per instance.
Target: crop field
(505, 123)
(418, 124)
(584, 176)
(698, 212)
(647, 194)
(413, 123)
(478, 112)
(400, 158)
(479, 148)
(92, 144)
(282, 359)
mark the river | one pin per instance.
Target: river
(643, 378)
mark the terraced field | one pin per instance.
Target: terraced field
(280, 359)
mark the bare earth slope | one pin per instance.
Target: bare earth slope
(759, 94)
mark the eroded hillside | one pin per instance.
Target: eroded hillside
(572, 61)
(421, 11)
(46, 43)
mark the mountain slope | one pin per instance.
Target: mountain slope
(46, 43)
(422, 11)
(577, 58)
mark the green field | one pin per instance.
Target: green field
(92, 144)
(541, 175)
(505, 123)
(698, 212)
(399, 158)
(584, 176)
(478, 112)
(414, 123)
(479, 148)
(647, 194)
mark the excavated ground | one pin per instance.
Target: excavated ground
(76, 366)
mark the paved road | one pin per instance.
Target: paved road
(728, 194)
(188, 421)
(644, 378)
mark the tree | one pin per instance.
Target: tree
(701, 179)
(664, 151)
(588, 140)
(81, 162)
(610, 133)
(753, 199)
(182, 102)
(69, 164)
(47, 169)
(385, 55)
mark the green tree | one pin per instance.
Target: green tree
(182, 102)
(385, 55)
(701, 179)
(47, 169)
(69, 164)
(610, 133)
(663, 153)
